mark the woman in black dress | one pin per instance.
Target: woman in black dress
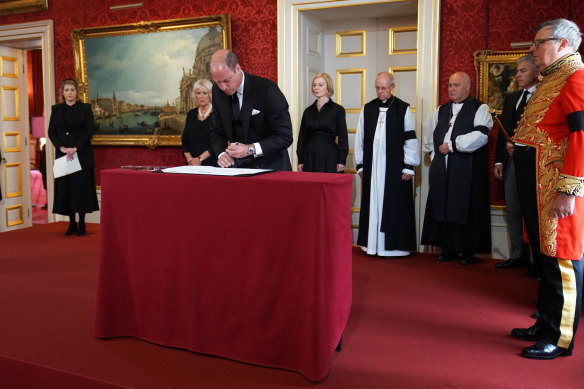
(322, 123)
(70, 130)
(196, 137)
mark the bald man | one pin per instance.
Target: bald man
(251, 114)
(457, 214)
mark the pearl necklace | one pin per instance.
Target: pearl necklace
(203, 116)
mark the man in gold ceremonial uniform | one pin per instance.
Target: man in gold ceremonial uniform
(549, 143)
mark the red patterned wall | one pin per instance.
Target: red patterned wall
(470, 25)
(465, 26)
(253, 32)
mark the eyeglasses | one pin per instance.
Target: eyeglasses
(538, 42)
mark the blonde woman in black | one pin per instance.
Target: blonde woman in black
(322, 123)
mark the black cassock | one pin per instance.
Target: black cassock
(457, 213)
(398, 215)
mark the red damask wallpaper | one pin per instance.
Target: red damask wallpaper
(465, 26)
(470, 25)
(253, 32)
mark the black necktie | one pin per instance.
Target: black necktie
(521, 106)
(235, 106)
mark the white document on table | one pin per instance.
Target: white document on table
(215, 171)
(62, 167)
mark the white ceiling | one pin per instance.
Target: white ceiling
(29, 44)
(366, 11)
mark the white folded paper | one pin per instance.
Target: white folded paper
(214, 171)
(62, 167)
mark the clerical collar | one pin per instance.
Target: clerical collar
(463, 101)
(571, 57)
(386, 103)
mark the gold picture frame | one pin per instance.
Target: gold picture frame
(496, 75)
(22, 6)
(138, 77)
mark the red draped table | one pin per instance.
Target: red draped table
(255, 269)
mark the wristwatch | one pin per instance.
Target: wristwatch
(250, 150)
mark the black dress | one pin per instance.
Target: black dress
(72, 126)
(196, 137)
(317, 149)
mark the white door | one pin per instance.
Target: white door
(352, 51)
(15, 206)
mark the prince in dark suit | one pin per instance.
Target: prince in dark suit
(250, 113)
(513, 107)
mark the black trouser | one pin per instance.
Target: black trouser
(560, 288)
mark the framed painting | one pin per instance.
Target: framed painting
(138, 77)
(10, 7)
(496, 75)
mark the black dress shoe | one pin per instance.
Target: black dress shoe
(71, 230)
(542, 350)
(532, 333)
(466, 259)
(446, 255)
(80, 230)
(511, 262)
(536, 315)
(530, 272)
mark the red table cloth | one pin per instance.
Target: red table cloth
(255, 269)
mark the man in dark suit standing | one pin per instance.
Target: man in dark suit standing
(250, 113)
(513, 106)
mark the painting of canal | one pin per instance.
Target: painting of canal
(141, 84)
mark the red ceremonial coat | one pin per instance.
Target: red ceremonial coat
(553, 123)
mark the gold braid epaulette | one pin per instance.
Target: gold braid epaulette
(570, 185)
(566, 59)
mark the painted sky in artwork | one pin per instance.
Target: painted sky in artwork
(142, 68)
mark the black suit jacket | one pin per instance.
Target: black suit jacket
(265, 119)
(79, 135)
(507, 114)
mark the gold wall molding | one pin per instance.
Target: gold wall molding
(15, 145)
(339, 78)
(22, 6)
(345, 35)
(7, 182)
(6, 90)
(16, 220)
(394, 35)
(5, 72)
(407, 69)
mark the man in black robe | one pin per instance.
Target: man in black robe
(457, 214)
(386, 153)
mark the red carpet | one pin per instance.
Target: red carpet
(414, 323)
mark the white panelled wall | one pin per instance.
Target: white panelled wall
(353, 40)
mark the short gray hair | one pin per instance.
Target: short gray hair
(528, 58)
(565, 29)
(203, 83)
